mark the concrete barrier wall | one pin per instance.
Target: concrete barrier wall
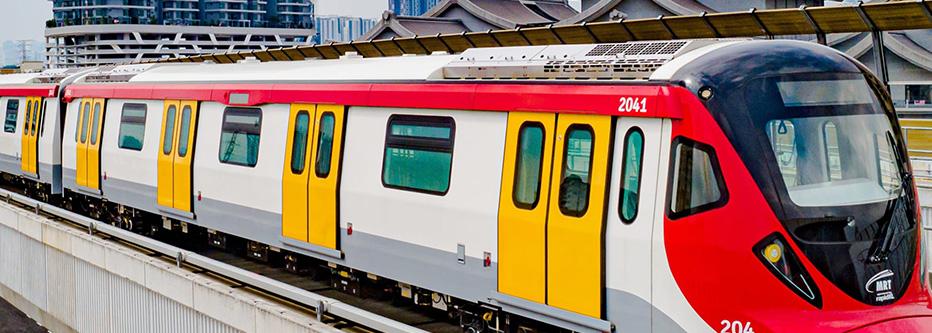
(70, 281)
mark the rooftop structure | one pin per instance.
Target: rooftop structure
(473, 15)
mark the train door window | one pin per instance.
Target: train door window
(12, 111)
(34, 123)
(95, 124)
(28, 118)
(84, 118)
(697, 185)
(418, 153)
(577, 165)
(299, 142)
(528, 165)
(132, 126)
(169, 134)
(77, 127)
(239, 138)
(184, 131)
(832, 152)
(631, 175)
(324, 145)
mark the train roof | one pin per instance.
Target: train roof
(620, 62)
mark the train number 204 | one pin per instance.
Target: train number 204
(736, 327)
(632, 104)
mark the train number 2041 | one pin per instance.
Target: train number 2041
(729, 326)
(632, 104)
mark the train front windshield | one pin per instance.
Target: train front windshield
(833, 160)
(832, 165)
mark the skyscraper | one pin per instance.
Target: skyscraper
(411, 7)
(341, 28)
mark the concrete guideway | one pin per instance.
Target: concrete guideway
(70, 280)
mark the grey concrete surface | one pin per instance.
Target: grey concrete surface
(14, 321)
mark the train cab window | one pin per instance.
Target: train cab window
(87, 114)
(577, 165)
(132, 126)
(697, 184)
(239, 136)
(299, 142)
(184, 131)
(832, 151)
(169, 134)
(12, 111)
(95, 125)
(528, 165)
(324, 145)
(418, 153)
(631, 175)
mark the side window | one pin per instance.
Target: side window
(631, 175)
(419, 153)
(299, 141)
(832, 152)
(12, 110)
(324, 145)
(45, 105)
(528, 165)
(239, 136)
(184, 131)
(96, 124)
(697, 185)
(169, 133)
(132, 126)
(577, 165)
(87, 114)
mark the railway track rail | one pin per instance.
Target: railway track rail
(330, 310)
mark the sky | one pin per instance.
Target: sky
(24, 19)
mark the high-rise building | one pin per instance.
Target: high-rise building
(341, 28)
(411, 7)
(99, 32)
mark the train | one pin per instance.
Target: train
(732, 186)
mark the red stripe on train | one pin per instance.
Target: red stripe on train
(29, 91)
(629, 100)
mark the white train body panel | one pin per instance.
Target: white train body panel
(414, 237)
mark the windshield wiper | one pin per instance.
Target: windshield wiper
(890, 229)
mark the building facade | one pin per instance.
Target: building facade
(226, 13)
(341, 28)
(411, 7)
(101, 32)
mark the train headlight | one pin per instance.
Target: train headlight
(775, 254)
